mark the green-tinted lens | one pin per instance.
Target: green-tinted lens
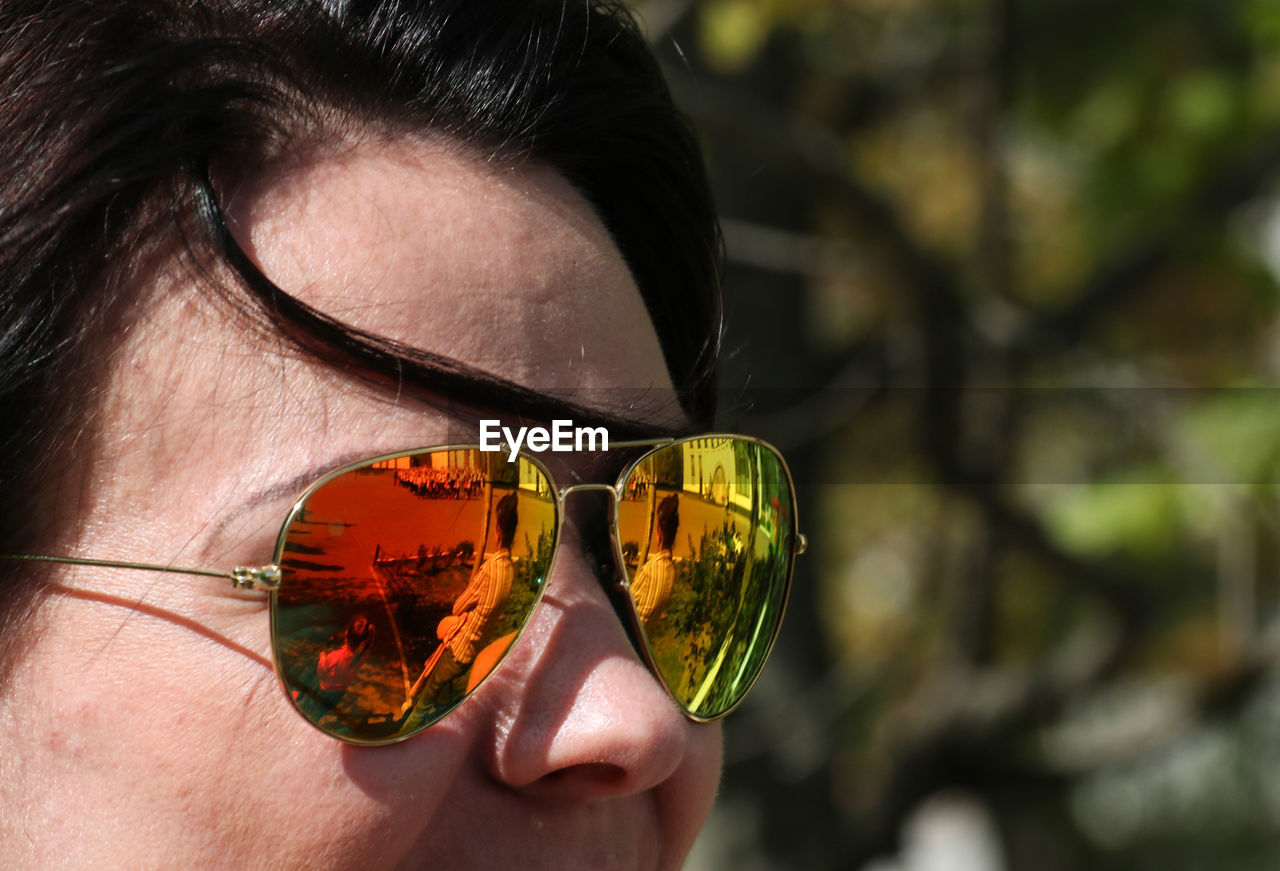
(707, 533)
(405, 581)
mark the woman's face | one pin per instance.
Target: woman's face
(146, 727)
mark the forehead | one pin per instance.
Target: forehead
(503, 268)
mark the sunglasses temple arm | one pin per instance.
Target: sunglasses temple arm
(241, 577)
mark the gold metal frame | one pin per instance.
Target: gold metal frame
(267, 578)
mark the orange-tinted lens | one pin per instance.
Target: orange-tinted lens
(405, 581)
(707, 533)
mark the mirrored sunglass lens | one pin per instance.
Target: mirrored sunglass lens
(707, 530)
(404, 583)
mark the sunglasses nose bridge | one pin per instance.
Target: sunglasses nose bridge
(562, 495)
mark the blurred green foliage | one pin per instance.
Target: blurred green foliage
(1002, 284)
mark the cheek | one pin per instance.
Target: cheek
(686, 800)
(146, 734)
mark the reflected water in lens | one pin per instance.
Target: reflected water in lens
(706, 529)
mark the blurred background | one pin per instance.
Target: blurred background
(1003, 286)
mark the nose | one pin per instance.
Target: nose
(581, 716)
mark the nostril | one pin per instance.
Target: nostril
(599, 774)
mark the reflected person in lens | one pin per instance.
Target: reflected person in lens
(337, 668)
(469, 627)
(653, 583)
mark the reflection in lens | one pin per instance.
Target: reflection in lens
(707, 528)
(405, 581)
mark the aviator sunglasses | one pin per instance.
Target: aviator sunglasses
(400, 582)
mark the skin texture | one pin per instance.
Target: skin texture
(146, 728)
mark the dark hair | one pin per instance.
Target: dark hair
(508, 516)
(668, 520)
(112, 113)
(359, 633)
